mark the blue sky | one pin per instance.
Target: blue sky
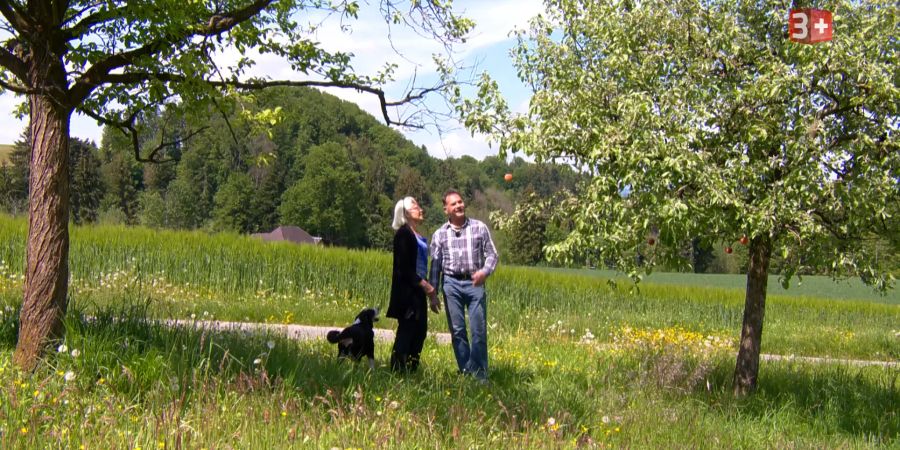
(487, 46)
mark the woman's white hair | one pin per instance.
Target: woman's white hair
(400, 212)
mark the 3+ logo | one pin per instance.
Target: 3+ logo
(809, 25)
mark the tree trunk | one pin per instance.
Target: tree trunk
(747, 370)
(47, 254)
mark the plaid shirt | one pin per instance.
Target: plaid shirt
(462, 252)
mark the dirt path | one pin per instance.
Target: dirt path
(305, 332)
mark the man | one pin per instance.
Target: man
(462, 257)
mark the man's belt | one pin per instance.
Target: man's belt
(460, 276)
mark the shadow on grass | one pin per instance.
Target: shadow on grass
(864, 402)
(148, 361)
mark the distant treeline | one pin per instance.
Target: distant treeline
(325, 165)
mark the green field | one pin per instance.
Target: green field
(575, 362)
(5, 150)
(809, 286)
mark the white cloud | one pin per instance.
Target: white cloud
(460, 142)
(12, 127)
(367, 41)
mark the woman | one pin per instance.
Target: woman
(409, 286)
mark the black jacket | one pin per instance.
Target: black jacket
(406, 294)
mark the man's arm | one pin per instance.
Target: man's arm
(437, 263)
(490, 259)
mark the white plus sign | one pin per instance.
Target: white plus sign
(821, 26)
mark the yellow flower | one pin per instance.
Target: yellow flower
(23, 430)
(161, 444)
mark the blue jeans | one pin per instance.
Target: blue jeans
(459, 295)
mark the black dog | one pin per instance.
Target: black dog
(358, 339)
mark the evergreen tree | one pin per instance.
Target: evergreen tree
(14, 178)
(232, 204)
(86, 186)
(120, 174)
(153, 209)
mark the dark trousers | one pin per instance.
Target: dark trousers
(408, 344)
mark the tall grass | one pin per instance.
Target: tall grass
(813, 286)
(120, 381)
(230, 277)
(575, 361)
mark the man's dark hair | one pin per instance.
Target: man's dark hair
(449, 193)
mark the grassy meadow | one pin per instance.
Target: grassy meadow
(5, 150)
(814, 286)
(575, 361)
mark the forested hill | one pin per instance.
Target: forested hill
(326, 166)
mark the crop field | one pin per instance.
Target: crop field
(813, 286)
(5, 150)
(575, 361)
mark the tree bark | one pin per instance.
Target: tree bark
(47, 254)
(746, 371)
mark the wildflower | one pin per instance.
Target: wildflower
(257, 361)
(605, 419)
(587, 337)
(23, 430)
(270, 344)
(62, 348)
(69, 376)
(551, 424)
(394, 404)
(76, 353)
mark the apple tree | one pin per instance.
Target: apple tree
(701, 119)
(115, 59)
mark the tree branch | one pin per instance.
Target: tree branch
(97, 18)
(138, 77)
(13, 63)
(15, 16)
(217, 24)
(127, 127)
(17, 88)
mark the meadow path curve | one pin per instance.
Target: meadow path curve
(306, 332)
